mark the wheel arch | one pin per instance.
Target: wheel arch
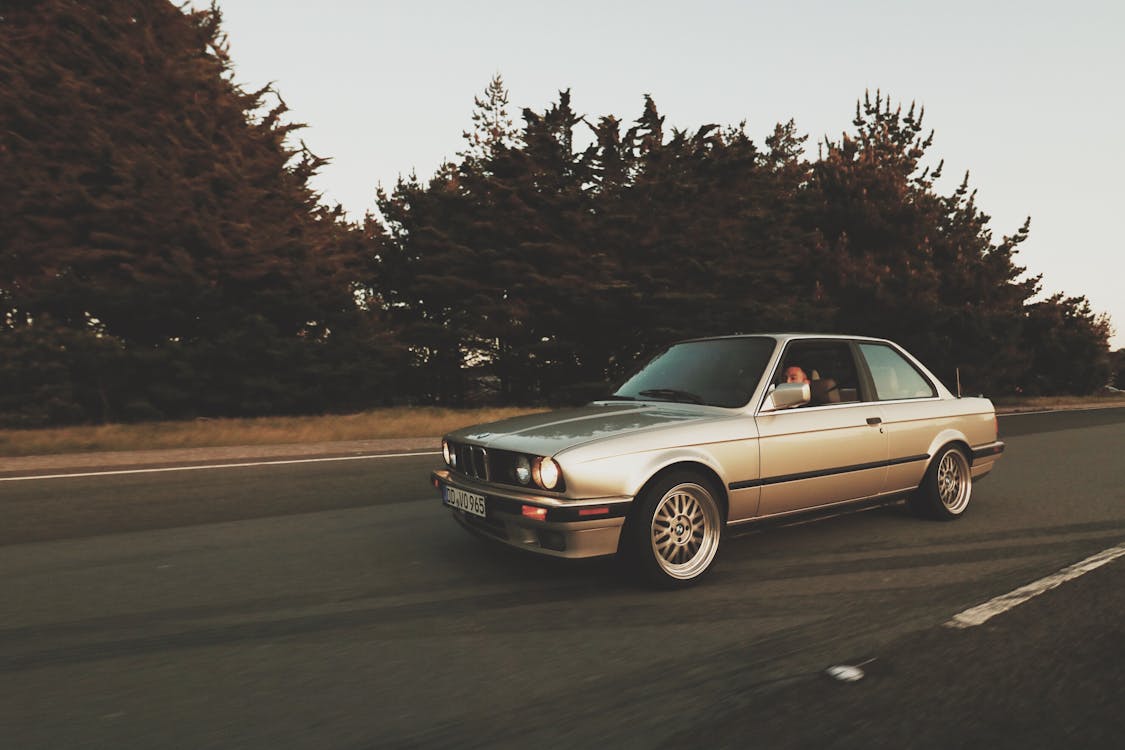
(630, 543)
(946, 438)
(714, 481)
(956, 442)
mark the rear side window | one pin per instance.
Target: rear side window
(895, 378)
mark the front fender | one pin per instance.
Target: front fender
(626, 475)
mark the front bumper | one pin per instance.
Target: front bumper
(565, 531)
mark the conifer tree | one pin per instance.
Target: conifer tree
(478, 248)
(1068, 345)
(544, 268)
(493, 128)
(152, 202)
(899, 260)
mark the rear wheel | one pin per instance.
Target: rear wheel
(673, 536)
(945, 490)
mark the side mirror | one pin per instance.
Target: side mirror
(787, 395)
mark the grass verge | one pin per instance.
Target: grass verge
(1041, 403)
(400, 422)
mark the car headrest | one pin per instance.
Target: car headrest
(824, 391)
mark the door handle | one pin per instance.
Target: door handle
(874, 420)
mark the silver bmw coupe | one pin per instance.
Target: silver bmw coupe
(718, 432)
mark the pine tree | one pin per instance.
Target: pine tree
(152, 202)
(493, 128)
(899, 260)
(546, 269)
(479, 250)
(1068, 342)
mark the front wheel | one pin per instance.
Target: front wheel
(945, 490)
(673, 536)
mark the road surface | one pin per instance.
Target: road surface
(336, 605)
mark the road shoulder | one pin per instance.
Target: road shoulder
(201, 456)
(106, 460)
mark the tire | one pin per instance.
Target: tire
(946, 488)
(672, 536)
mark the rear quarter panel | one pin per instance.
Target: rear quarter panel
(922, 428)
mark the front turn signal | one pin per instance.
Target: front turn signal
(534, 512)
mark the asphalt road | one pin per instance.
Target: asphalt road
(335, 605)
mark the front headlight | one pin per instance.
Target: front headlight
(523, 470)
(450, 456)
(546, 473)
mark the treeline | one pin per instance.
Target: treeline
(161, 251)
(555, 266)
(163, 255)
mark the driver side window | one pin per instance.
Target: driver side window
(827, 366)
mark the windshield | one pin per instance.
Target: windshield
(717, 372)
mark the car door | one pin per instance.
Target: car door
(829, 451)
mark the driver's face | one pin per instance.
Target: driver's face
(795, 375)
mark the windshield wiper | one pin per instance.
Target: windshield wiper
(672, 394)
(615, 397)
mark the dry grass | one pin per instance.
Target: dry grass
(381, 423)
(1039, 403)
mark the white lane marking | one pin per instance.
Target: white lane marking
(984, 612)
(215, 466)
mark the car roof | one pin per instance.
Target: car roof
(789, 336)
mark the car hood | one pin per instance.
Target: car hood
(546, 434)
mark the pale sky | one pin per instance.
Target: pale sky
(1026, 95)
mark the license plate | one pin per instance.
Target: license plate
(466, 501)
